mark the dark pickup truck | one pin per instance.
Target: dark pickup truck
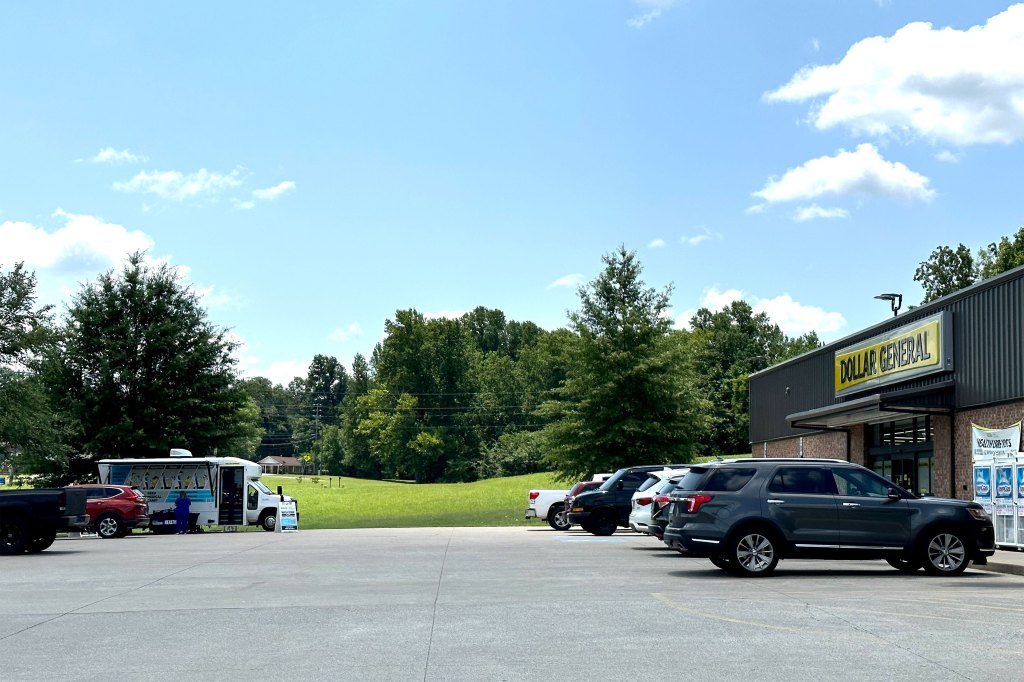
(30, 519)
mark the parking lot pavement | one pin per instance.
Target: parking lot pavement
(523, 603)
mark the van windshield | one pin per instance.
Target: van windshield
(262, 488)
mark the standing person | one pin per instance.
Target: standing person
(181, 507)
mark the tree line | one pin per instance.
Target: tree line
(135, 367)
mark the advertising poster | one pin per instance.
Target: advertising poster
(1020, 489)
(1004, 489)
(983, 486)
(287, 516)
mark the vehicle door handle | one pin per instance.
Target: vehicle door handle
(851, 504)
(771, 501)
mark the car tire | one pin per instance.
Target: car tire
(109, 527)
(753, 553)
(722, 563)
(13, 534)
(904, 565)
(41, 542)
(268, 521)
(558, 518)
(604, 524)
(944, 552)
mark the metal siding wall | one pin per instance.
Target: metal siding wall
(988, 352)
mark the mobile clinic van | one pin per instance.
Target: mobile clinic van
(224, 491)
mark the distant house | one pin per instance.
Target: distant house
(281, 465)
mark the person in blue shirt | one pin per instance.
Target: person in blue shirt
(181, 506)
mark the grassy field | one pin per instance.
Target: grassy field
(333, 502)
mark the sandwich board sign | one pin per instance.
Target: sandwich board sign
(287, 517)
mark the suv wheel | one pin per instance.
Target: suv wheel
(558, 519)
(604, 524)
(109, 526)
(753, 553)
(944, 553)
(722, 563)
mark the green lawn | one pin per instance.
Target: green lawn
(333, 502)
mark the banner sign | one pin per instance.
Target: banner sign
(923, 347)
(287, 516)
(995, 443)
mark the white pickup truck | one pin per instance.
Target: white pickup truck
(550, 505)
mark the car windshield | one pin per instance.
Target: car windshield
(613, 479)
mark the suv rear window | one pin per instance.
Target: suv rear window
(651, 480)
(806, 480)
(728, 480)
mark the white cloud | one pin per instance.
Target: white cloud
(243, 205)
(947, 156)
(697, 240)
(815, 45)
(567, 281)
(84, 244)
(654, 9)
(813, 212)
(796, 318)
(657, 244)
(793, 318)
(178, 186)
(343, 334)
(111, 155)
(281, 371)
(947, 85)
(862, 171)
(271, 193)
(444, 315)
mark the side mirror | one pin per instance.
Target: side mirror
(619, 486)
(894, 494)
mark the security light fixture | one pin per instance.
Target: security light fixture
(895, 300)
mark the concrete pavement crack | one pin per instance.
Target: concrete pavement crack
(433, 614)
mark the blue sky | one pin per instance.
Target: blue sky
(313, 168)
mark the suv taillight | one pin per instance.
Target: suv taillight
(643, 501)
(534, 494)
(694, 502)
(661, 500)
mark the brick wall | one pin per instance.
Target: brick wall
(996, 417)
(831, 444)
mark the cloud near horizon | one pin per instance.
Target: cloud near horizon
(111, 155)
(792, 317)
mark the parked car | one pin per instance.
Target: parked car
(643, 499)
(603, 510)
(548, 505)
(581, 487)
(746, 515)
(31, 519)
(115, 509)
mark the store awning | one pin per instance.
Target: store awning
(935, 399)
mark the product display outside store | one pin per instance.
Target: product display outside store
(999, 480)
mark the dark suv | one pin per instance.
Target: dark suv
(746, 515)
(601, 511)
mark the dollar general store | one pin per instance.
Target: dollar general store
(900, 397)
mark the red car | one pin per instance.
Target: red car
(115, 509)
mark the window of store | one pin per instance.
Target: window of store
(902, 451)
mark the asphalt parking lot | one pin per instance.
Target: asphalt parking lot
(485, 604)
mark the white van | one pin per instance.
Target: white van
(224, 491)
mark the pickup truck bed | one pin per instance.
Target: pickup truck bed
(30, 519)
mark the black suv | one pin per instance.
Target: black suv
(601, 511)
(746, 515)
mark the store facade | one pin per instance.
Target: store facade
(900, 397)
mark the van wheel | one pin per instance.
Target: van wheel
(944, 553)
(13, 534)
(753, 553)
(109, 526)
(604, 524)
(558, 519)
(268, 521)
